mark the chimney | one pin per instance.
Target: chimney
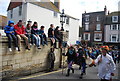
(57, 3)
(105, 10)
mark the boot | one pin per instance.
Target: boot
(72, 70)
(68, 72)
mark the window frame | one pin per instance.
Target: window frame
(20, 10)
(87, 27)
(97, 27)
(99, 35)
(114, 20)
(11, 13)
(111, 36)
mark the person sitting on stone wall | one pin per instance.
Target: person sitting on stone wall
(10, 33)
(20, 31)
(51, 35)
(42, 36)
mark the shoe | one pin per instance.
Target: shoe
(68, 73)
(72, 70)
(39, 47)
(27, 48)
(16, 48)
(10, 49)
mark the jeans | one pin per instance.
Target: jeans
(43, 39)
(70, 64)
(83, 67)
(10, 37)
(29, 37)
(37, 40)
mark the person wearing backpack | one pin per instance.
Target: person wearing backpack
(10, 33)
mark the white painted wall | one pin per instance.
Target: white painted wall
(45, 17)
(109, 32)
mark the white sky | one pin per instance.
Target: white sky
(75, 8)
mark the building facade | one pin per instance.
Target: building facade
(3, 21)
(93, 26)
(112, 28)
(45, 13)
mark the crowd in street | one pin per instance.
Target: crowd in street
(31, 34)
(103, 56)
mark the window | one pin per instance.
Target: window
(114, 18)
(86, 26)
(118, 26)
(86, 36)
(67, 20)
(98, 27)
(20, 10)
(114, 38)
(55, 14)
(11, 13)
(97, 37)
(98, 18)
(86, 17)
(114, 27)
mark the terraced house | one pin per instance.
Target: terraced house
(93, 26)
(112, 28)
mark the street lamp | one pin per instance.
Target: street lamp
(62, 19)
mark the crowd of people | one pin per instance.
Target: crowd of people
(104, 57)
(31, 34)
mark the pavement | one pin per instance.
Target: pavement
(91, 73)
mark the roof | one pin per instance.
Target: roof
(13, 5)
(48, 5)
(94, 12)
(108, 19)
(114, 13)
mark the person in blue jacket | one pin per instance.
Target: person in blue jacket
(10, 33)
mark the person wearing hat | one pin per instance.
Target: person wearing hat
(20, 31)
(106, 66)
(10, 33)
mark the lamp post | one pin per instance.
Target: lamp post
(62, 19)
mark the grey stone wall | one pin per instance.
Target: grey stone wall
(24, 62)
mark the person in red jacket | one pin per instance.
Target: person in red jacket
(20, 31)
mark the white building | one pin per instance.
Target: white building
(45, 13)
(112, 28)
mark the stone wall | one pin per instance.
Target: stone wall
(24, 62)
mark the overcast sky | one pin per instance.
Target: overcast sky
(75, 8)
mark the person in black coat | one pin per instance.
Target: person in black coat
(71, 56)
(51, 59)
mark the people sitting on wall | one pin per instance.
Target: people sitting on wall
(10, 33)
(28, 32)
(35, 35)
(20, 31)
(42, 36)
(58, 35)
(51, 35)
